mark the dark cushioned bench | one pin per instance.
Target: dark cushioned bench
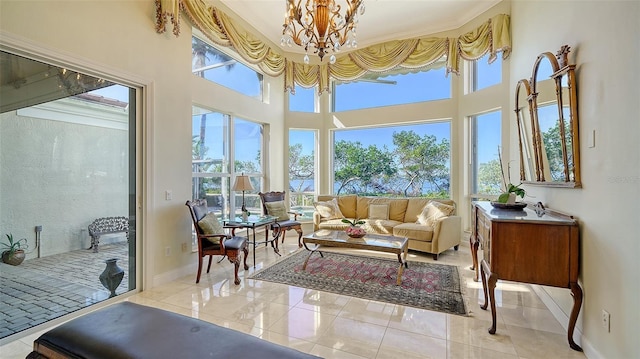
(128, 330)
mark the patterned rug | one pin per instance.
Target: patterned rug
(424, 285)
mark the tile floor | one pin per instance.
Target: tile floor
(335, 326)
(43, 289)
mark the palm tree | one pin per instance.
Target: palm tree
(200, 50)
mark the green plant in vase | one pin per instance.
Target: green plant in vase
(510, 191)
(507, 197)
(354, 230)
(353, 222)
(14, 252)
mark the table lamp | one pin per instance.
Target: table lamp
(243, 184)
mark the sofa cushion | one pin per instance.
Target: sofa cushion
(328, 209)
(346, 204)
(378, 211)
(380, 226)
(414, 231)
(417, 204)
(277, 209)
(414, 208)
(210, 224)
(397, 207)
(335, 224)
(433, 211)
(362, 207)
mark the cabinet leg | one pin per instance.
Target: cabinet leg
(484, 289)
(474, 256)
(489, 287)
(576, 293)
(492, 286)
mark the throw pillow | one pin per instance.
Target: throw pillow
(210, 224)
(433, 211)
(328, 209)
(277, 209)
(379, 211)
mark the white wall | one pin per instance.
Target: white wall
(604, 41)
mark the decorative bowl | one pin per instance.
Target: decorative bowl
(510, 206)
(356, 235)
(356, 232)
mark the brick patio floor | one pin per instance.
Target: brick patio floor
(46, 288)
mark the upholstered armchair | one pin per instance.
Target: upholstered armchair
(213, 241)
(273, 204)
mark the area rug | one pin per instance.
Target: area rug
(424, 285)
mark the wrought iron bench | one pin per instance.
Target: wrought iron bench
(107, 225)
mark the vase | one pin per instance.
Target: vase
(355, 232)
(111, 276)
(14, 258)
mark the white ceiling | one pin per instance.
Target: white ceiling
(383, 20)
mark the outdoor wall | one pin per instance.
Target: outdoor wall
(61, 175)
(603, 36)
(127, 48)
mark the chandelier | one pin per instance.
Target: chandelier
(320, 25)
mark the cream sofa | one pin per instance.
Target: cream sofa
(402, 220)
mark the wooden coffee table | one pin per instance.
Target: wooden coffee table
(372, 242)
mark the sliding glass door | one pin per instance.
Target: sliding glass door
(68, 159)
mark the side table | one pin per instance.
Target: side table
(252, 223)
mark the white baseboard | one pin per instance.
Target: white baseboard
(588, 349)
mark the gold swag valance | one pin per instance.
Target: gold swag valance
(493, 36)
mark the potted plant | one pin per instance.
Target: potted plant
(511, 191)
(509, 196)
(14, 253)
(353, 223)
(354, 230)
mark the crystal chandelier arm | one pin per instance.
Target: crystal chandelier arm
(320, 25)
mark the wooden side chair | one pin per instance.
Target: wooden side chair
(212, 240)
(273, 205)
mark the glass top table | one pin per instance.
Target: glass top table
(252, 220)
(252, 223)
(372, 242)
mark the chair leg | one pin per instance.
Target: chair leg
(284, 233)
(246, 254)
(199, 269)
(209, 266)
(233, 258)
(299, 230)
(236, 265)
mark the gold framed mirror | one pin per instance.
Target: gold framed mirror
(547, 119)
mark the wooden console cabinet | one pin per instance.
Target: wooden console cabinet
(532, 245)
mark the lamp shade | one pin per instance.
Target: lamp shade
(242, 184)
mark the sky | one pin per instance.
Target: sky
(117, 92)
(371, 94)
(385, 91)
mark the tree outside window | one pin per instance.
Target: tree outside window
(409, 160)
